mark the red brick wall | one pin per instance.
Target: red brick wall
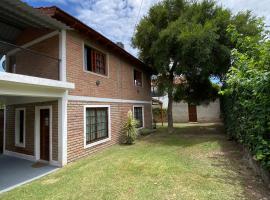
(75, 127)
(119, 82)
(35, 63)
(30, 128)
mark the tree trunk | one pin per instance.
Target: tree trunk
(169, 112)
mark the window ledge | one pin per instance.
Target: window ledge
(96, 74)
(96, 143)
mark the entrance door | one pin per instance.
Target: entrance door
(44, 134)
(192, 113)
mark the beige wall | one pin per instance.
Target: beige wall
(180, 112)
(205, 113)
(209, 113)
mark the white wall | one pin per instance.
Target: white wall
(209, 113)
(180, 112)
(205, 113)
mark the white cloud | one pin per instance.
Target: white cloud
(116, 18)
(258, 7)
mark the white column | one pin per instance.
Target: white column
(62, 130)
(62, 55)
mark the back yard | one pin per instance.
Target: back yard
(195, 162)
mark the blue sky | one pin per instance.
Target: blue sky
(116, 19)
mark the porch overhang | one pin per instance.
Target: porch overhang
(16, 15)
(22, 85)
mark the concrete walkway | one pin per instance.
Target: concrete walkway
(15, 172)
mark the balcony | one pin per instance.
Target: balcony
(38, 61)
(30, 71)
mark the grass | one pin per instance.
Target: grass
(194, 162)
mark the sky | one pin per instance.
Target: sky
(117, 19)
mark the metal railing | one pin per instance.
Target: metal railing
(37, 61)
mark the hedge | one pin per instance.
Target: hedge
(246, 96)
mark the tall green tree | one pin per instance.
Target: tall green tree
(188, 39)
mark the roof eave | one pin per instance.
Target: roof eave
(74, 23)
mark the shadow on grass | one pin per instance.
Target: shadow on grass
(229, 158)
(187, 135)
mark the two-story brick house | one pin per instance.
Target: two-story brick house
(66, 88)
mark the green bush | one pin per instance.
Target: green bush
(246, 96)
(157, 114)
(129, 129)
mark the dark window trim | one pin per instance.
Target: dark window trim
(134, 80)
(142, 107)
(85, 65)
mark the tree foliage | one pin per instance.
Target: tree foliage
(247, 94)
(189, 39)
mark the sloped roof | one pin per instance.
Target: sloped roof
(76, 24)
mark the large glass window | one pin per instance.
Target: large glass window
(94, 60)
(138, 115)
(96, 124)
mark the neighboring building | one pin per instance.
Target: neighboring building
(67, 88)
(183, 112)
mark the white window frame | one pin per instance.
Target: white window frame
(139, 106)
(133, 70)
(109, 125)
(17, 128)
(106, 60)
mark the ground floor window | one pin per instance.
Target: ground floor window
(97, 124)
(138, 115)
(20, 127)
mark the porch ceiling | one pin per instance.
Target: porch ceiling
(10, 100)
(16, 16)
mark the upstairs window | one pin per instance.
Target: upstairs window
(94, 61)
(137, 78)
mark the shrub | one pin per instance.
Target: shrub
(157, 114)
(129, 129)
(246, 96)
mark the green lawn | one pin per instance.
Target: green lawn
(195, 162)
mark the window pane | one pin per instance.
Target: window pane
(138, 115)
(137, 78)
(97, 121)
(21, 130)
(95, 61)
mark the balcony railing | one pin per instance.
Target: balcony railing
(37, 61)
